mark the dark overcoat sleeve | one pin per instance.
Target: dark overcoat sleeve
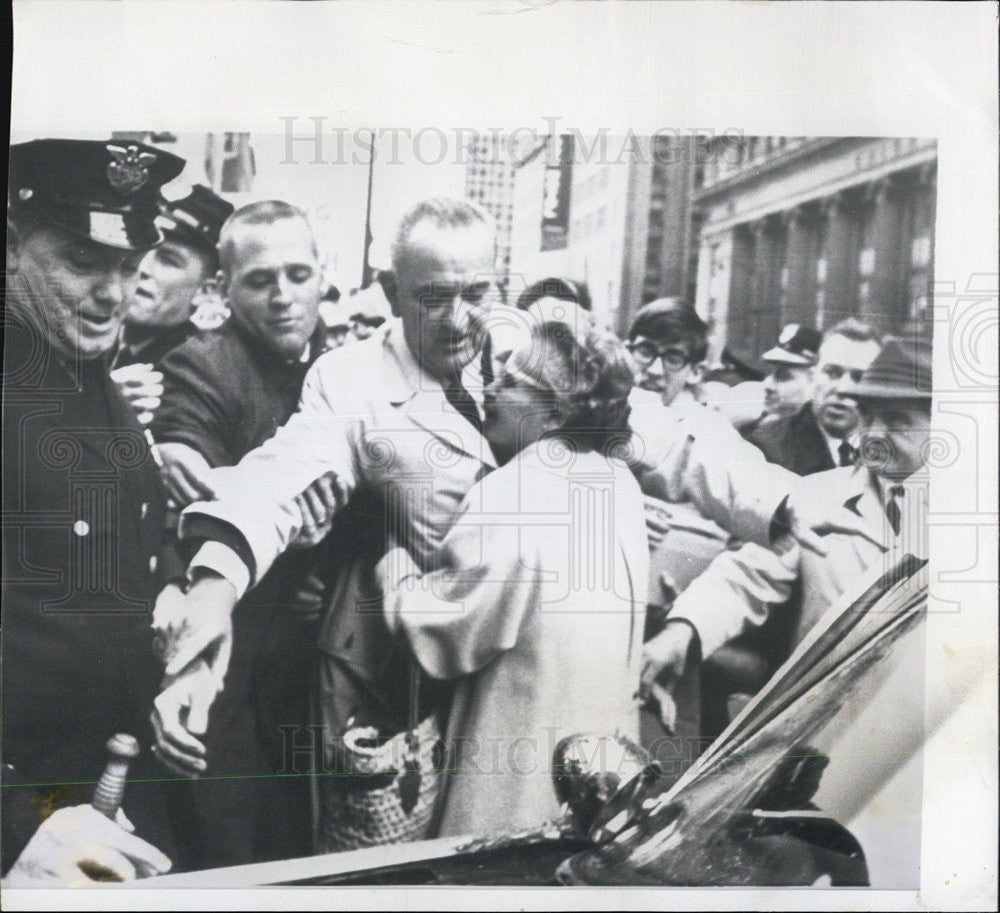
(198, 407)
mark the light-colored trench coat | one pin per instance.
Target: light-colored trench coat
(739, 588)
(371, 416)
(535, 605)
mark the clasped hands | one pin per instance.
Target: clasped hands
(193, 636)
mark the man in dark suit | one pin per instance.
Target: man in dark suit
(226, 391)
(817, 437)
(82, 506)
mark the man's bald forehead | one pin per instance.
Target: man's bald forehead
(447, 243)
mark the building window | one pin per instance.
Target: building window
(865, 264)
(917, 256)
(819, 277)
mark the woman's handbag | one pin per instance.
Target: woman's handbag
(382, 790)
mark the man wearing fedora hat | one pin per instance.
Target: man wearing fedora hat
(83, 512)
(887, 488)
(817, 435)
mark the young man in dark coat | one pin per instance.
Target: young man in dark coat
(227, 391)
(82, 506)
(817, 437)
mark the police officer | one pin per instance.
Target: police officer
(82, 507)
(172, 277)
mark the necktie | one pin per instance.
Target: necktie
(487, 361)
(846, 452)
(892, 510)
(464, 404)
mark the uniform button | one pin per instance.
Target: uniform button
(81, 527)
(143, 510)
(152, 564)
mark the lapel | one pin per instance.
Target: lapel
(808, 441)
(864, 498)
(421, 399)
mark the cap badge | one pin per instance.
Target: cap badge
(788, 334)
(129, 169)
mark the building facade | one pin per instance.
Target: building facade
(628, 222)
(489, 181)
(597, 228)
(813, 230)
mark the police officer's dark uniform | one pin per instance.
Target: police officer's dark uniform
(82, 513)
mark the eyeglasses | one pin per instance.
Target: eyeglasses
(835, 372)
(673, 357)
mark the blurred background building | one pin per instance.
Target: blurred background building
(489, 181)
(616, 215)
(223, 162)
(756, 231)
(813, 231)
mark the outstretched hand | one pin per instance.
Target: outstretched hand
(185, 474)
(142, 387)
(317, 507)
(180, 715)
(658, 521)
(664, 662)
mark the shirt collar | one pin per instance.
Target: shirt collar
(909, 486)
(402, 377)
(832, 443)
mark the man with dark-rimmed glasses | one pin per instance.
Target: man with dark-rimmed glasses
(668, 343)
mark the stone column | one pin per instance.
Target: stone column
(740, 285)
(881, 291)
(918, 246)
(839, 255)
(766, 305)
(798, 299)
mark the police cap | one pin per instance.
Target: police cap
(196, 219)
(107, 191)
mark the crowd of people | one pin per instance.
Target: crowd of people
(485, 523)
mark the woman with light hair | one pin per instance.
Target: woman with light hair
(535, 601)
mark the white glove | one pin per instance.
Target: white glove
(142, 387)
(79, 847)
